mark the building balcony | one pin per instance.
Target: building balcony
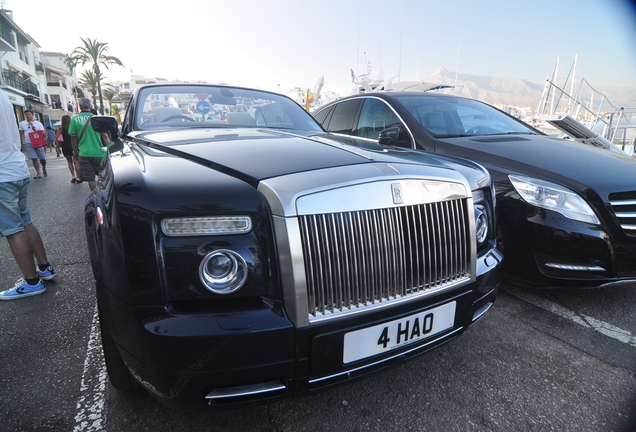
(6, 40)
(14, 80)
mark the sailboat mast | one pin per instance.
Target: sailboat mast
(554, 78)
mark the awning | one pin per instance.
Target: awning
(53, 71)
(34, 106)
(13, 68)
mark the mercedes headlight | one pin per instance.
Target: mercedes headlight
(554, 197)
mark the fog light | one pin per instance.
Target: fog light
(223, 271)
(481, 224)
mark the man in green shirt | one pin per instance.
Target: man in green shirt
(87, 144)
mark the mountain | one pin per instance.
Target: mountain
(519, 92)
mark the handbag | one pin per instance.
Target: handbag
(37, 138)
(60, 137)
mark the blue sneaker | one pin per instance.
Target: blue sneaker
(22, 289)
(48, 274)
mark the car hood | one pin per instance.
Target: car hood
(209, 171)
(579, 166)
(258, 154)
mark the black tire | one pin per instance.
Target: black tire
(120, 376)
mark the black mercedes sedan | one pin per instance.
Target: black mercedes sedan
(242, 254)
(566, 211)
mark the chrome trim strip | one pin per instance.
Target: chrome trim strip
(481, 311)
(386, 359)
(283, 192)
(574, 267)
(246, 390)
(377, 195)
(619, 283)
(616, 206)
(625, 202)
(290, 258)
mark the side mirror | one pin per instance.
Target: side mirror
(117, 146)
(106, 124)
(389, 136)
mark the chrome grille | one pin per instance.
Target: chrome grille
(624, 206)
(361, 259)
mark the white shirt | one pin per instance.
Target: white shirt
(13, 165)
(28, 128)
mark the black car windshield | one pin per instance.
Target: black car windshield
(447, 117)
(210, 106)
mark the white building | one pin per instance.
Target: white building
(34, 80)
(60, 83)
(125, 89)
(22, 70)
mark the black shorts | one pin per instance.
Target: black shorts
(89, 167)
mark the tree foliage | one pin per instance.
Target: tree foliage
(109, 95)
(94, 54)
(91, 82)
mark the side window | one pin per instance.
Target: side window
(321, 116)
(343, 117)
(374, 117)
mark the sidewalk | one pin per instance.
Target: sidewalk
(53, 154)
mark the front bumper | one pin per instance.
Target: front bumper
(547, 250)
(236, 353)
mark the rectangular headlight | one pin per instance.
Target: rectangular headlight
(554, 197)
(206, 225)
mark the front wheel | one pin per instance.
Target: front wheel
(120, 376)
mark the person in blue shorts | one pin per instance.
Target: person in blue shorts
(15, 217)
(36, 154)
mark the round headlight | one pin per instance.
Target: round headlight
(223, 271)
(481, 224)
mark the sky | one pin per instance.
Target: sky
(277, 45)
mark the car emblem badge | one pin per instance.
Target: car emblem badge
(396, 191)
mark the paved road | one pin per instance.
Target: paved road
(539, 361)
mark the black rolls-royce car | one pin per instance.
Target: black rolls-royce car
(566, 210)
(242, 254)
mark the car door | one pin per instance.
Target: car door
(375, 116)
(343, 117)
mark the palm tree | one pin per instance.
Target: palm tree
(115, 112)
(78, 92)
(109, 95)
(95, 54)
(91, 82)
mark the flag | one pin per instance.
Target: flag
(310, 99)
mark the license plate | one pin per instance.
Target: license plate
(385, 337)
